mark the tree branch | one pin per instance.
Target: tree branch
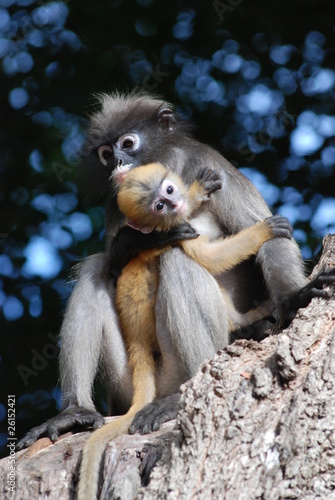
(257, 421)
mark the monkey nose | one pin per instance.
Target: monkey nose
(179, 207)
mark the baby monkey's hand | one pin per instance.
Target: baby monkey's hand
(280, 226)
(210, 180)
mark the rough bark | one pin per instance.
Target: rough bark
(50, 471)
(257, 421)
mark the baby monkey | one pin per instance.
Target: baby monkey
(155, 200)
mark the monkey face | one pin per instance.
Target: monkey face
(122, 153)
(153, 197)
(128, 132)
(119, 157)
(169, 202)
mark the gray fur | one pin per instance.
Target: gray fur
(191, 320)
(91, 340)
(193, 325)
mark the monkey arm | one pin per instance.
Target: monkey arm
(129, 242)
(224, 254)
(239, 205)
(90, 334)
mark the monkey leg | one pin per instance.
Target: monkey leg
(239, 320)
(90, 335)
(191, 325)
(144, 392)
(135, 301)
(191, 316)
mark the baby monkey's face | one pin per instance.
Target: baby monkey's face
(153, 197)
(169, 201)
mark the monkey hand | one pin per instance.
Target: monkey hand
(183, 231)
(210, 180)
(156, 239)
(129, 242)
(77, 416)
(280, 226)
(302, 297)
(154, 414)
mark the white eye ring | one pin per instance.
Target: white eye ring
(102, 154)
(133, 139)
(169, 188)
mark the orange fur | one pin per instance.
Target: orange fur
(137, 285)
(136, 295)
(224, 254)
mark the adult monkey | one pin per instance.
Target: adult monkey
(130, 131)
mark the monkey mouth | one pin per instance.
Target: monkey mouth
(180, 207)
(119, 173)
(140, 227)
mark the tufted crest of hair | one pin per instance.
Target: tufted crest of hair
(124, 113)
(139, 189)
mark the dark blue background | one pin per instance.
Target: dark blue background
(258, 80)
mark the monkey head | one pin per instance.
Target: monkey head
(151, 197)
(127, 132)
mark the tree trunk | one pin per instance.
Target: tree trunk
(257, 421)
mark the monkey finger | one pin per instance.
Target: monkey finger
(154, 414)
(208, 174)
(186, 235)
(326, 277)
(204, 173)
(210, 179)
(316, 292)
(149, 458)
(53, 433)
(282, 233)
(188, 232)
(33, 435)
(280, 226)
(183, 232)
(99, 422)
(213, 186)
(278, 219)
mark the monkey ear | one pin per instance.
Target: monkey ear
(166, 119)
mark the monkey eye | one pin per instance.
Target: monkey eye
(169, 189)
(129, 142)
(105, 153)
(160, 206)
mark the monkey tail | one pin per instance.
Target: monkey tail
(93, 453)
